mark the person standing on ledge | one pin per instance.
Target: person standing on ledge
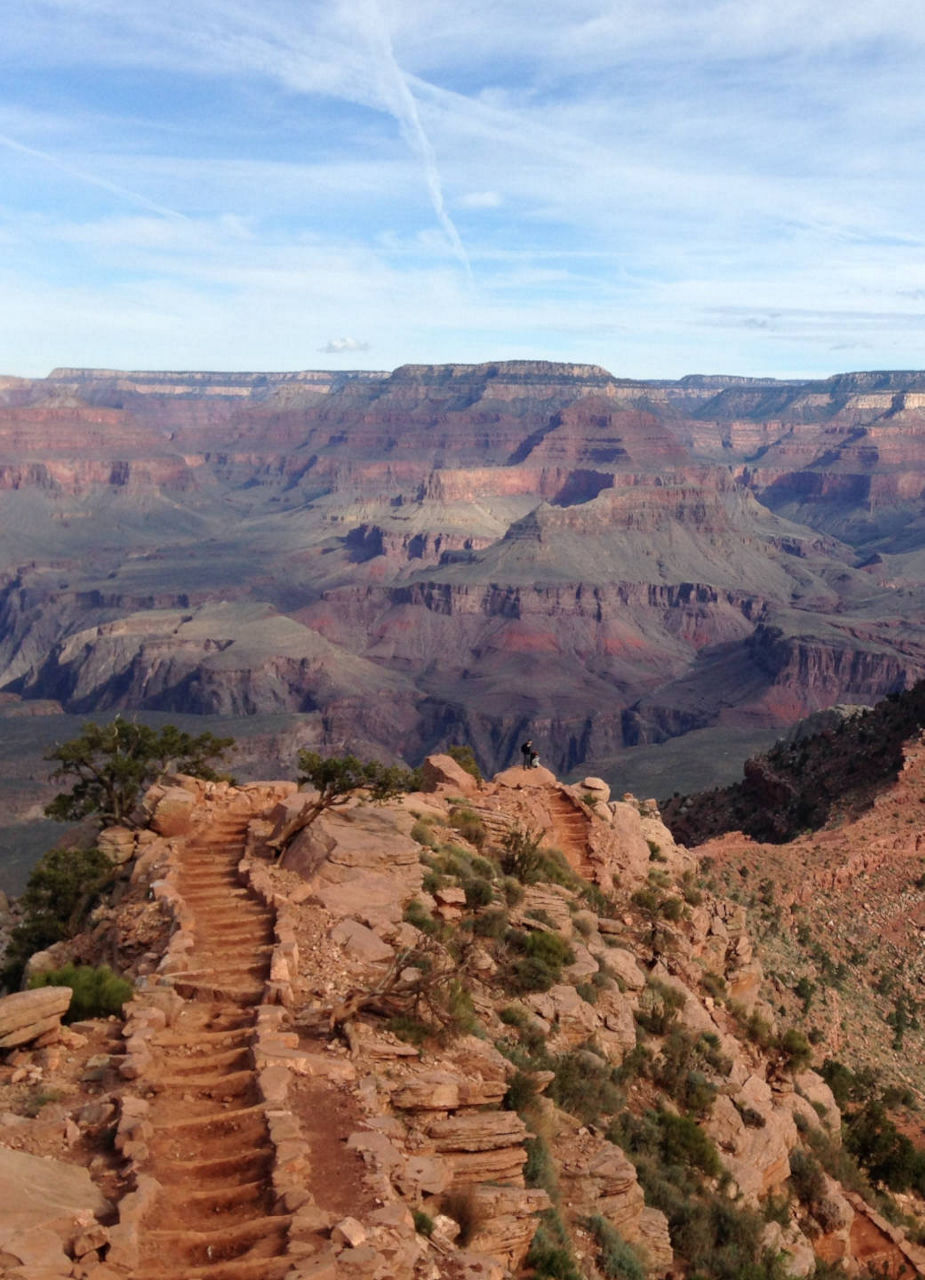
(530, 756)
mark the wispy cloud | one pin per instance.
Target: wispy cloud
(621, 173)
(402, 104)
(64, 166)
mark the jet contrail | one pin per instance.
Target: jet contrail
(113, 187)
(405, 109)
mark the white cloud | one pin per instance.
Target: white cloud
(340, 346)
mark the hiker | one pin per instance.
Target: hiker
(531, 757)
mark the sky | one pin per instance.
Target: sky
(661, 187)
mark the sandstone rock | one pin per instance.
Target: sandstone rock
(563, 1008)
(596, 787)
(476, 1131)
(623, 963)
(652, 1235)
(349, 1232)
(26, 1015)
(620, 850)
(174, 811)
(798, 1253)
(360, 942)
(442, 771)
(525, 778)
(429, 1090)
(815, 1090)
(54, 957)
(45, 1196)
(757, 1155)
(118, 843)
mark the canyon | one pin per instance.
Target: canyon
(629, 572)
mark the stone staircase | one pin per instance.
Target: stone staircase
(205, 1205)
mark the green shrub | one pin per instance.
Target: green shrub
(539, 958)
(479, 892)
(490, 924)
(796, 1049)
(672, 909)
(422, 833)
(469, 825)
(550, 1254)
(659, 1006)
(98, 992)
(682, 1141)
(540, 1169)
(583, 1085)
(806, 1177)
(521, 1092)
(618, 1260)
(62, 888)
(407, 1027)
(520, 854)
(423, 1222)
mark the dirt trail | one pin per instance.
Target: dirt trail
(210, 1152)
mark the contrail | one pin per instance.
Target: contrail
(90, 178)
(405, 109)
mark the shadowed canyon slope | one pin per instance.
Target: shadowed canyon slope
(463, 552)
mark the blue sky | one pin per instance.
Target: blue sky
(658, 186)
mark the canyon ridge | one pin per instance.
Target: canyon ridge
(650, 579)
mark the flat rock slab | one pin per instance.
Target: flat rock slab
(27, 1014)
(39, 1191)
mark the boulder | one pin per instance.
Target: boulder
(118, 843)
(26, 1015)
(597, 788)
(443, 771)
(361, 942)
(174, 811)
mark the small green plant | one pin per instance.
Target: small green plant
(659, 1006)
(521, 1092)
(422, 833)
(423, 1222)
(37, 1099)
(98, 992)
(539, 957)
(469, 825)
(795, 1049)
(520, 854)
(479, 892)
(714, 985)
(617, 1259)
(583, 1085)
(550, 1256)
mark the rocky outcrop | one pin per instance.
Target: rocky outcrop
(27, 1015)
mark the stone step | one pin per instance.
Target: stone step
(234, 1269)
(228, 1084)
(230, 1170)
(261, 1237)
(249, 995)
